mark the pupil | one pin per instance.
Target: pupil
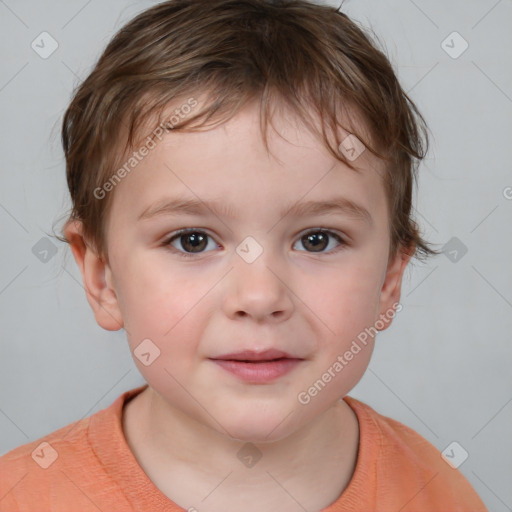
(317, 240)
(193, 240)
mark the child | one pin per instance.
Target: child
(241, 176)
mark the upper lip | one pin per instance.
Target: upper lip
(252, 355)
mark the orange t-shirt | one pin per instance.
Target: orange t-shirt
(88, 466)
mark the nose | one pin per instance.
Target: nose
(258, 290)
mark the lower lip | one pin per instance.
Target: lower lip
(258, 372)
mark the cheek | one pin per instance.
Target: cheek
(161, 311)
(154, 299)
(349, 300)
(348, 307)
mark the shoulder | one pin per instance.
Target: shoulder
(409, 471)
(64, 470)
(403, 441)
(44, 451)
(29, 470)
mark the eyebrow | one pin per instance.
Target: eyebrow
(190, 206)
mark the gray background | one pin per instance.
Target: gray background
(443, 368)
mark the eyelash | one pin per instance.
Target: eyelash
(178, 234)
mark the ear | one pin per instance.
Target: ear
(97, 279)
(392, 286)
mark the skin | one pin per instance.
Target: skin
(187, 427)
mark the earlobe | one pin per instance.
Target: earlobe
(96, 277)
(392, 286)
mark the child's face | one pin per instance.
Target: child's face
(309, 298)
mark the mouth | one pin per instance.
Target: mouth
(258, 367)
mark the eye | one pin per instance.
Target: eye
(188, 242)
(320, 239)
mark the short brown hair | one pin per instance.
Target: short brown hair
(310, 57)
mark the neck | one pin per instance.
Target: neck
(190, 462)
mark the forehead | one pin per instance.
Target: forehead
(231, 163)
